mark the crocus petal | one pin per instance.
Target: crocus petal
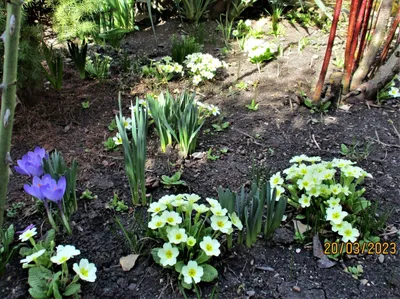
(33, 191)
(62, 184)
(20, 170)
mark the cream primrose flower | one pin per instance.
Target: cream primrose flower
(328, 174)
(352, 171)
(191, 241)
(304, 184)
(303, 169)
(213, 203)
(304, 201)
(192, 198)
(192, 272)
(167, 199)
(117, 139)
(26, 235)
(336, 189)
(197, 79)
(179, 202)
(156, 222)
(340, 163)
(333, 202)
(291, 172)
(337, 227)
(325, 190)
(168, 254)
(276, 180)
(298, 159)
(220, 223)
(156, 207)
(348, 233)
(214, 110)
(64, 253)
(32, 257)
(210, 246)
(177, 235)
(236, 221)
(218, 211)
(247, 23)
(335, 214)
(202, 208)
(313, 159)
(314, 191)
(85, 270)
(127, 123)
(279, 191)
(394, 92)
(172, 218)
(345, 190)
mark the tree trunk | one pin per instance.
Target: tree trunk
(383, 76)
(376, 42)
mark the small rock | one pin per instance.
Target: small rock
(132, 286)
(296, 289)
(381, 258)
(250, 293)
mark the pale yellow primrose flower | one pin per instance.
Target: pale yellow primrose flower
(156, 207)
(218, 211)
(213, 203)
(276, 180)
(85, 270)
(220, 223)
(178, 202)
(333, 202)
(64, 253)
(314, 191)
(168, 254)
(236, 221)
(25, 236)
(202, 208)
(191, 241)
(127, 123)
(337, 227)
(156, 222)
(298, 159)
(167, 199)
(303, 169)
(348, 233)
(304, 201)
(32, 258)
(177, 235)
(172, 218)
(192, 198)
(192, 272)
(335, 214)
(304, 184)
(210, 246)
(336, 189)
(117, 139)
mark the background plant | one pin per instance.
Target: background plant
(55, 66)
(99, 66)
(183, 46)
(6, 249)
(202, 66)
(193, 10)
(135, 150)
(164, 70)
(259, 50)
(173, 180)
(78, 56)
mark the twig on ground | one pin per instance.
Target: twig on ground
(390, 233)
(382, 143)
(315, 141)
(251, 137)
(394, 128)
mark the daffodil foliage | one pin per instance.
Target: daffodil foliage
(191, 233)
(327, 194)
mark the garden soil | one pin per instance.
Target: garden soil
(270, 136)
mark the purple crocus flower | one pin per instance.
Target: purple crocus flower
(53, 190)
(31, 163)
(35, 189)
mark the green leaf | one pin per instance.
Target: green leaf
(344, 148)
(154, 253)
(38, 277)
(178, 266)
(210, 273)
(202, 258)
(185, 285)
(38, 293)
(72, 289)
(300, 217)
(56, 291)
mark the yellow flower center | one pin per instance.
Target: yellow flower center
(157, 209)
(220, 223)
(209, 247)
(348, 232)
(336, 215)
(84, 272)
(63, 259)
(168, 254)
(159, 223)
(170, 219)
(178, 236)
(192, 272)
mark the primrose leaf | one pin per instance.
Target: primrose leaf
(209, 274)
(186, 286)
(72, 289)
(178, 266)
(154, 253)
(38, 293)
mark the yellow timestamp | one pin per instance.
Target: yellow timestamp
(333, 248)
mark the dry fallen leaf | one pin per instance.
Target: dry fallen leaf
(127, 262)
(324, 262)
(300, 227)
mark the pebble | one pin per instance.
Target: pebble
(296, 288)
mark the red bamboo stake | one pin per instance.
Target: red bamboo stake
(364, 31)
(328, 53)
(390, 37)
(354, 44)
(350, 37)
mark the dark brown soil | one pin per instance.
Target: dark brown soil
(280, 129)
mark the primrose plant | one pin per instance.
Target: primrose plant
(53, 183)
(259, 50)
(327, 193)
(164, 70)
(203, 67)
(192, 234)
(48, 269)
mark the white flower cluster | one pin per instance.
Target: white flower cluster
(167, 66)
(259, 50)
(202, 66)
(317, 182)
(208, 109)
(182, 223)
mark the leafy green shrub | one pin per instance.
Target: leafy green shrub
(183, 46)
(190, 232)
(327, 194)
